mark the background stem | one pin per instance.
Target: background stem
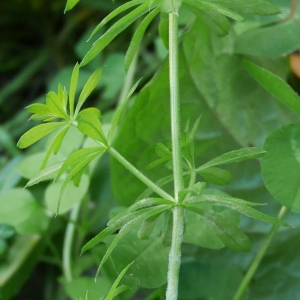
(178, 212)
(259, 256)
(67, 247)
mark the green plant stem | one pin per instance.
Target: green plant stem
(259, 256)
(68, 241)
(178, 212)
(121, 159)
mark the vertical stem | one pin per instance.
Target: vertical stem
(67, 247)
(178, 212)
(259, 256)
(294, 6)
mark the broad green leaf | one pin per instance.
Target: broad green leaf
(281, 166)
(216, 176)
(113, 290)
(46, 174)
(88, 88)
(229, 233)
(275, 86)
(117, 28)
(233, 157)
(90, 125)
(38, 108)
(198, 4)
(119, 112)
(55, 106)
(127, 227)
(218, 22)
(137, 37)
(116, 12)
(19, 209)
(76, 157)
(273, 41)
(38, 132)
(170, 6)
(72, 196)
(238, 205)
(150, 261)
(256, 7)
(55, 144)
(70, 4)
(72, 91)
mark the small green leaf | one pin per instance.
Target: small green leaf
(198, 4)
(117, 28)
(256, 7)
(114, 13)
(36, 133)
(73, 86)
(229, 233)
(45, 174)
(70, 4)
(113, 291)
(38, 108)
(275, 86)
(88, 88)
(119, 112)
(233, 157)
(216, 176)
(137, 38)
(170, 6)
(90, 125)
(195, 189)
(76, 157)
(55, 106)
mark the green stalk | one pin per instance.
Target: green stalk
(68, 241)
(122, 160)
(259, 256)
(178, 212)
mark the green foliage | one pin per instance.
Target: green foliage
(125, 215)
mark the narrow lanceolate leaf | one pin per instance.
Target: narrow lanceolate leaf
(238, 205)
(120, 289)
(218, 22)
(55, 105)
(113, 290)
(127, 227)
(233, 157)
(78, 168)
(119, 113)
(275, 86)
(36, 133)
(90, 125)
(137, 38)
(70, 4)
(117, 28)
(216, 176)
(198, 4)
(230, 234)
(38, 108)
(139, 219)
(55, 145)
(116, 12)
(45, 174)
(76, 157)
(256, 7)
(88, 88)
(72, 91)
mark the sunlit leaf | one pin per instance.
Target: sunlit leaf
(55, 106)
(88, 88)
(70, 4)
(38, 108)
(73, 85)
(38, 132)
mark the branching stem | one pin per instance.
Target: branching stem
(259, 256)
